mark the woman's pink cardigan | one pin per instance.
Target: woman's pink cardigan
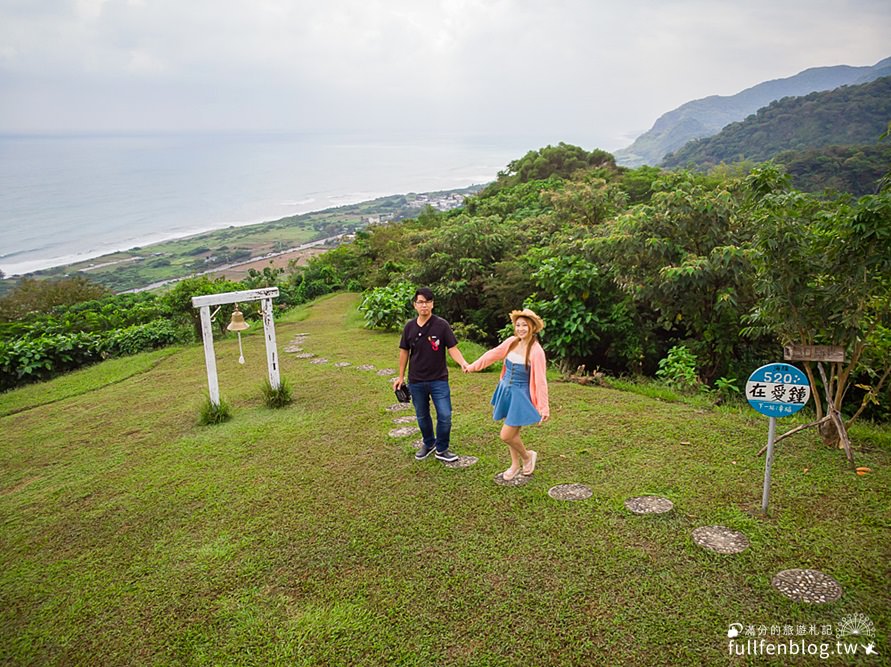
(538, 383)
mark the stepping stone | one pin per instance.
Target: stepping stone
(320, 360)
(649, 505)
(570, 492)
(404, 431)
(293, 348)
(386, 371)
(417, 444)
(342, 364)
(407, 419)
(807, 586)
(518, 480)
(462, 462)
(720, 539)
(399, 406)
(365, 367)
(393, 379)
(304, 355)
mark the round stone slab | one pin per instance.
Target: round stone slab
(649, 505)
(570, 492)
(365, 367)
(407, 419)
(807, 586)
(519, 480)
(320, 360)
(342, 364)
(404, 431)
(304, 355)
(462, 462)
(293, 348)
(399, 406)
(720, 539)
(386, 371)
(417, 444)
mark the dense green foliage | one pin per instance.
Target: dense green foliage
(845, 116)
(626, 264)
(856, 169)
(38, 296)
(48, 340)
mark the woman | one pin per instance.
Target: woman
(521, 397)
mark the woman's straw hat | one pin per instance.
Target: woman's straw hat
(535, 320)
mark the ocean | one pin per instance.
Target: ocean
(68, 198)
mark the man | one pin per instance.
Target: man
(425, 340)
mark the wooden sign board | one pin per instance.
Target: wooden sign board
(831, 353)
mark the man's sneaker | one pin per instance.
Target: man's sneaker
(424, 451)
(448, 456)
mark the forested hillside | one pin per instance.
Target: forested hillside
(850, 115)
(707, 116)
(853, 169)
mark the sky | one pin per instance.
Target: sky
(595, 73)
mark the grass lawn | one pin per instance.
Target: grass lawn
(308, 536)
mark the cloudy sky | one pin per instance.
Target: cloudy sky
(588, 71)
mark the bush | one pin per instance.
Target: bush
(678, 369)
(387, 307)
(30, 359)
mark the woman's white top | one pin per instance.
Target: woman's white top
(516, 357)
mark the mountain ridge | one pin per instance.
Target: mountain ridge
(705, 117)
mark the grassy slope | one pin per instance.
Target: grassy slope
(130, 535)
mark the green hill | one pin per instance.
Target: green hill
(310, 536)
(707, 116)
(850, 115)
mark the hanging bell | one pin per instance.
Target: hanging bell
(237, 323)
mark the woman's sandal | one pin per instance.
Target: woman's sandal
(529, 468)
(509, 474)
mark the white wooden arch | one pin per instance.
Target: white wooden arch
(265, 296)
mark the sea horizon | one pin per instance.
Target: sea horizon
(73, 197)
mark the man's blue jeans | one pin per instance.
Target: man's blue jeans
(438, 390)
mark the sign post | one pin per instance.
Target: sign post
(776, 390)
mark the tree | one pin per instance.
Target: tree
(685, 256)
(41, 296)
(562, 160)
(823, 277)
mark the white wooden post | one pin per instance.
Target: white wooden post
(210, 359)
(265, 296)
(271, 351)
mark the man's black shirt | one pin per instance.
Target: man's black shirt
(427, 347)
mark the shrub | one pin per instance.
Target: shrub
(387, 307)
(678, 369)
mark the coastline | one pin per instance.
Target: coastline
(76, 199)
(230, 251)
(13, 270)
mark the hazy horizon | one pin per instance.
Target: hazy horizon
(596, 74)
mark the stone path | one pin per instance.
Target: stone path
(801, 585)
(720, 539)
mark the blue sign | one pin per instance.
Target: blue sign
(778, 390)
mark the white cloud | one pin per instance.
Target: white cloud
(571, 68)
